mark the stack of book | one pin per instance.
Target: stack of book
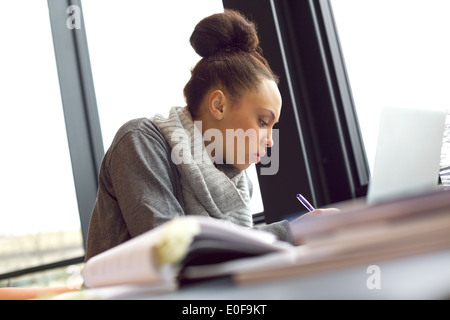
(198, 248)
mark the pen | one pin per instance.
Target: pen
(305, 202)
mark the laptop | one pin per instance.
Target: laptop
(407, 159)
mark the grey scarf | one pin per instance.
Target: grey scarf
(221, 192)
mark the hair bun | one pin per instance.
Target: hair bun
(223, 32)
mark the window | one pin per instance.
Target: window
(397, 55)
(141, 56)
(39, 217)
(141, 59)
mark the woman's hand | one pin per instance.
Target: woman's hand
(326, 211)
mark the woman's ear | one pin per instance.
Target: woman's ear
(216, 104)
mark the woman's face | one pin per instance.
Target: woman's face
(247, 125)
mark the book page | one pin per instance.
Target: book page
(130, 262)
(227, 231)
(156, 256)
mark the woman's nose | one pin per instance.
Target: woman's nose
(267, 139)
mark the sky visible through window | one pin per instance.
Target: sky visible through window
(397, 54)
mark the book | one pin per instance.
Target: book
(362, 235)
(359, 234)
(195, 247)
(159, 256)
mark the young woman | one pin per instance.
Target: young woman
(191, 163)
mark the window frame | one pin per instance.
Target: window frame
(321, 144)
(79, 105)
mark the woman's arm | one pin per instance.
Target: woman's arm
(139, 188)
(145, 182)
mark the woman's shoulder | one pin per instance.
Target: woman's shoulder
(138, 127)
(138, 134)
(142, 125)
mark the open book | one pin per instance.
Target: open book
(160, 255)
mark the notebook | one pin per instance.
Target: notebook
(407, 159)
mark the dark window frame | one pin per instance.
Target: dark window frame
(79, 105)
(321, 150)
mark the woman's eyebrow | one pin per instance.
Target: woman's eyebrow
(272, 114)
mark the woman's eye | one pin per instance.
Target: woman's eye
(262, 123)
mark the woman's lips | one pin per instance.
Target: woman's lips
(258, 156)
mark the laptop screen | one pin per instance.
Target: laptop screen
(407, 159)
